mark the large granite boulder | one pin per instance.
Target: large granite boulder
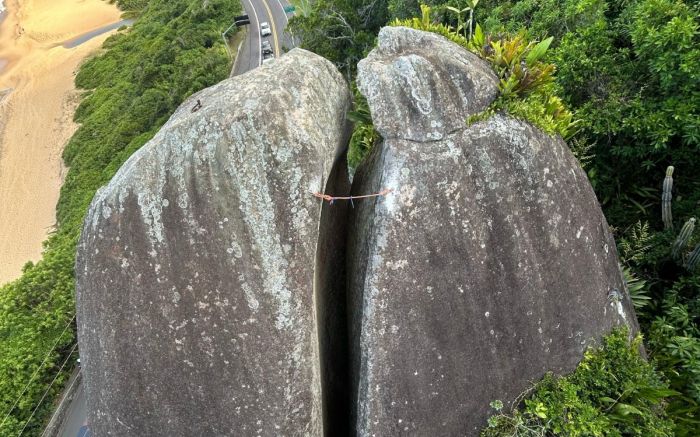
(422, 78)
(195, 269)
(488, 265)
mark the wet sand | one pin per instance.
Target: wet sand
(37, 102)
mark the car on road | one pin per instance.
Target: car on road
(268, 57)
(266, 48)
(265, 29)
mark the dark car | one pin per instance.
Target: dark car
(84, 431)
(268, 58)
(266, 48)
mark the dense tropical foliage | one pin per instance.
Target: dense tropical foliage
(629, 73)
(613, 392)
(173, 49)
(340, 30)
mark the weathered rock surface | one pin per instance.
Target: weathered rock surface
(490, 264)
(195, 271)
(423, 78)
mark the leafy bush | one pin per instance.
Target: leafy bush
(342, 31)
(364, 136)
(674, 344)
(630, 71)
(670, 313)
(614, 391)
(525, 82)
(171, 51)
(425, 22)
(516, 62)
(131, 5)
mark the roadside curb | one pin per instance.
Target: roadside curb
(238, 51)
(54, 426)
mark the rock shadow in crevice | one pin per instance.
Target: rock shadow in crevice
(330, 300)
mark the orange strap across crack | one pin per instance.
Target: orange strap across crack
(330, 199)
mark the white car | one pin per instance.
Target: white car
(265, 29)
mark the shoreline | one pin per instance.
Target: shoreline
(85, 37)
(36, 115)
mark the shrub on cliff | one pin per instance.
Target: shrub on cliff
(613, 392)
(631, 73)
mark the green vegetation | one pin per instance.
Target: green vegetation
(662, 271)
(612, 392)
(342, 31)
(364, 136)
(173, 49)
(525, 82)
(131, 5)
(425, 22)
(629, 73)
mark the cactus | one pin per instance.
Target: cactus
(683, 237)
(666, 197)
(693, 259)
(686, 231)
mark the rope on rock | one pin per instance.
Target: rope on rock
(330, 199)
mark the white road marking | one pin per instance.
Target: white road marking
(286, 19)
(257, 29)
(272, 26)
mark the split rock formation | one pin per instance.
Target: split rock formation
(217, 295)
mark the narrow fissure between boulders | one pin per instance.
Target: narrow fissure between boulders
(331, 308)
(339, 311)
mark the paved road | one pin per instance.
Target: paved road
(250, 57)
(76, 416)
(259, 11)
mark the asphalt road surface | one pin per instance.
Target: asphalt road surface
(76, 416)
(260, 11)
(249, 57)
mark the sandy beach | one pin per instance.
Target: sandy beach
(37, 102)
